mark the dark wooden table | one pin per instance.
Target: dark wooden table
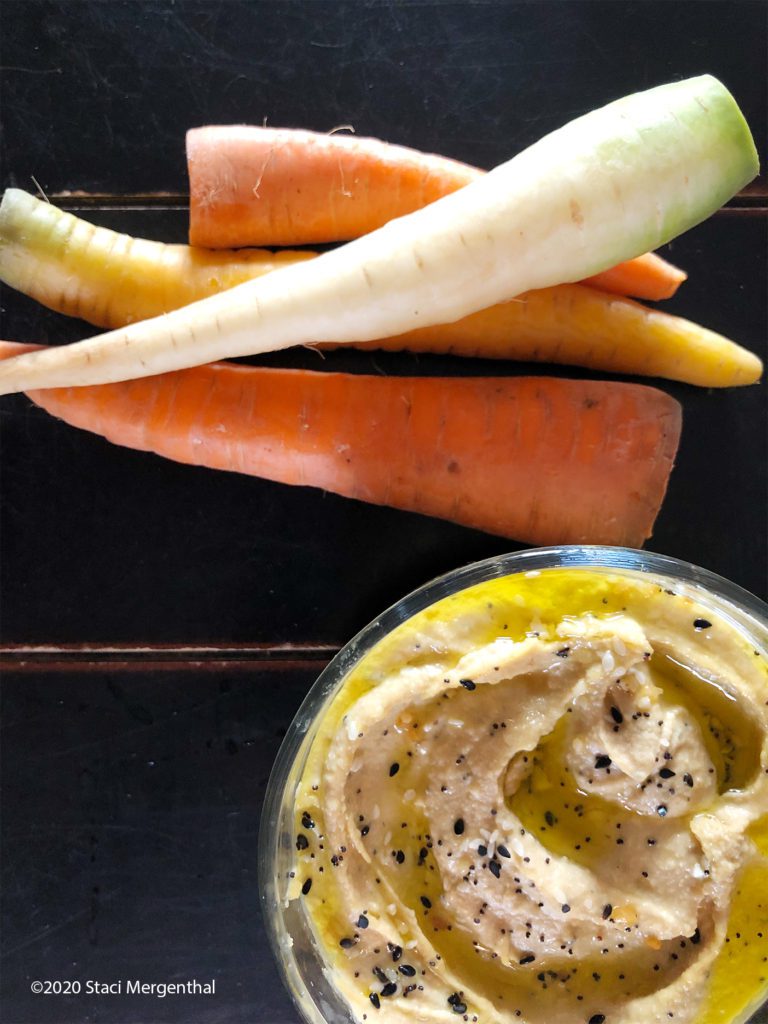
(160, 624)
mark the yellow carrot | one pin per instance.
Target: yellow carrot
(111, 280)
(581, 326)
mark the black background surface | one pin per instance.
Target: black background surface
(129, 842)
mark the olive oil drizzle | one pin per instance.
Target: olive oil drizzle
(731, 737)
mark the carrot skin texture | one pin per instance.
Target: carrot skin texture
(252, 186)
(537, 459)
(264, 186)
(112, 280)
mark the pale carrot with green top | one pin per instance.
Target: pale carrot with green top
(608, 186)
(111, 280)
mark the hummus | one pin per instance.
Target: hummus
(544, 800)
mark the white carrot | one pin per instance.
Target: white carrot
(608, 186)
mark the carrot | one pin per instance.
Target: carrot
(277, 186)
(284, 186)
(645, 277)
(608, 186)
(580, 326)
(112, 280)
(540, 460)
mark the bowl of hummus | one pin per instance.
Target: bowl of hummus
(536, 791)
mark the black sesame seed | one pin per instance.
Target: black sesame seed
(503, 851)
(565, 908)
(375, 1000)
(365, 830)
(426, 902)
(458, 826)
(607, 911)
(563, 652)
(394, 768)
(389, 989)
(396, 951)
(702, 624)
(306, 820)
(602, 761)
(688, 779)
(301, 841)
(482, 850)
(347, 943)
(527, 959)
(495, 868)
(661, 810)
(362, 921)
(696, 937)
(667, 773)
(407, 970)
(381, 975)
(550, 818)
(399, 856)
(616, 715)
(306, 887)
(597, 1018)
(468, 684)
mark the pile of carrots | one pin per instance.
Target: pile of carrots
(537, 459)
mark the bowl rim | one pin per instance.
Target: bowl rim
(744, 609)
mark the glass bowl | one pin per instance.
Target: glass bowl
(300, 958)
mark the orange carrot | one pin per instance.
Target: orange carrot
(275, 184)
(537, 459)
(282, 186)
(645, 277)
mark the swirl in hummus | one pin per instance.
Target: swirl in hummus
(542, 800)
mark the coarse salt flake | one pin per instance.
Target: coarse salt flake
(608, 661)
